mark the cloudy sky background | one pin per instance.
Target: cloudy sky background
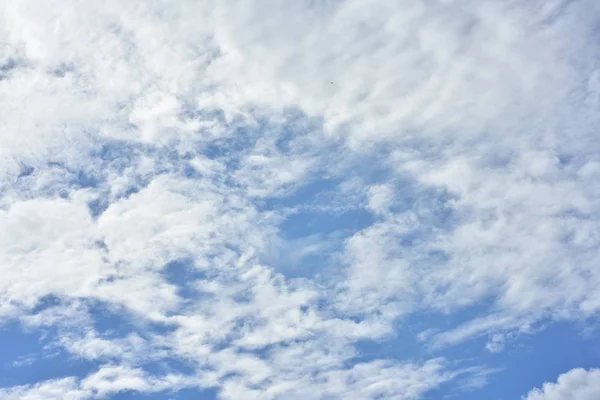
(269, 199)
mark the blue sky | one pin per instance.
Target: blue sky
(248, 199)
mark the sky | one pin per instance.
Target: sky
(269, 199)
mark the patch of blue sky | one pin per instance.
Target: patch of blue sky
(307, 221)
(111, 322)
(184, 394)
(169, 365)
(229, 149)
(32, 358)
(404, 344)
(182, 274)
(114, 322)
(524, 363)
(38, 351)
(117, 155)
(79, 179)
(310, 235)
(304, 195)
(309, 257)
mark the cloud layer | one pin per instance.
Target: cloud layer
(238, 195)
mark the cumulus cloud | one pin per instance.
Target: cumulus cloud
(179, 166)
(577, 384)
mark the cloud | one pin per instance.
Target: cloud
(109, 379)
(53, 240)
(577, 384)
(438, 159)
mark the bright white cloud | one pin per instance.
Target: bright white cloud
(577, 384)
(109, 379)
(48, 246)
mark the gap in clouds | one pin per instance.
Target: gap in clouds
(411, 341)
(183, 394)
(538, 356)
(184, 276)
(35, 357)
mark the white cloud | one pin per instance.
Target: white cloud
(48, 246)
(381, 197)
(108, 380)
(577, 384)
(137, 135)
(56, 389)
